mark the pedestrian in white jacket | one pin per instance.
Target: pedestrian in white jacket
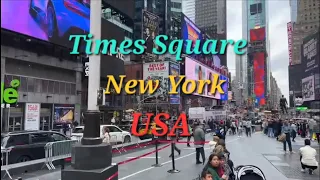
(308, 157)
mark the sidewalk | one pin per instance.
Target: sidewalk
(289, 164)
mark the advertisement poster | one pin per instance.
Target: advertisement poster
(289, 31)
(196, 71)
(256, 14)
(259, 76)
(32, 116)
(308, 93)
(150, 26)
(157, 71)
(189, 31)
(32, 18)
(63, 114)
(224, 97)
(174, 71)
(310, 54)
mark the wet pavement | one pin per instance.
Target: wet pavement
(258, 150)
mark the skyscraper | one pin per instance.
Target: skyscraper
(256, 61)
(306, 17)
(210, 17)
(188, 8)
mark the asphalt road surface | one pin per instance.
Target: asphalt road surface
(258, 150)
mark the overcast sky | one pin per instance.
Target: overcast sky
(279, 15)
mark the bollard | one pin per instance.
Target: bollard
(173, 170)
(157, 155)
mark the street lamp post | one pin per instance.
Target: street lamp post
(91, 159)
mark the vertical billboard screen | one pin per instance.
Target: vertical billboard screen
(150, 26)
(174, 71)
(289, 31)
(196, 71)
(259, 77)
(157, 71)
(310, 54)
(53, 22)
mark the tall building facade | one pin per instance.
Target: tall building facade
(305, 15)
(275, 93)
(161, 8)
(210, 17)
(255, 30)
(188, 8)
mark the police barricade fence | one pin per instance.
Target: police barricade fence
(5, 152)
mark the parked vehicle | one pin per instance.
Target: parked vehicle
(28, 145)
(117, 134)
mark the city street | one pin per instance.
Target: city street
(258, 150)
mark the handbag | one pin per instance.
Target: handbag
(282, 137)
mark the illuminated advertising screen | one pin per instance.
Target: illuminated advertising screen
(150, 28)
(258, 34)
(53, 22)
(174, 71)
(259, 76)
(196, 71)
(189, 31)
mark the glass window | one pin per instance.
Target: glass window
(17, 140)
(51, 87)
(62, 88)
(7, 80)
(57, 137)
(37, 85)
(44, 84)
(253, 9)
(68, 88)
(56, 88)
(39, 137)
(73, 89)
(23, 84)
(113, 129)
(30, 84)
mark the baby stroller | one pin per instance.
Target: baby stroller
(249, 172)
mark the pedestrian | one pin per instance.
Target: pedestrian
(311, 125)
(248, 128)
(214, 142)
(270, 129)
(308, 157)
(106, 135)
(191, 133)
(294, 131)
(199, 140)
(286, 129)
(213, 166)
(175, 139)
(205, 175)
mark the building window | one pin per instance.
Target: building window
(51, 87)
(23, 84)
(30, 84)
(37, 85)
(62, 88)
(56, 88)
(44, 86)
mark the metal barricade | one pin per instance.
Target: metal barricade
(5, 160)
(57, 151)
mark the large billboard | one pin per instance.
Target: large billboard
(150, 26)
(174, 71)
(289, 31)
(310, 54)
(308, 93)
(53, 22)
(258, 34)
(259, 78)
(196, 71)
(157, 71)
(256, 14)
(189, 31)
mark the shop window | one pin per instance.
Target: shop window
(68, 88)
(62, 88)
(7, 80)
(56, 88)
(23, 84)
(44, 86)
(37, 85)
(73, 89)
(30, 84)
(51, 87)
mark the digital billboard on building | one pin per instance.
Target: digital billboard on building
(310, 54)
(259, 78)
(53, 22)
(289, 31)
